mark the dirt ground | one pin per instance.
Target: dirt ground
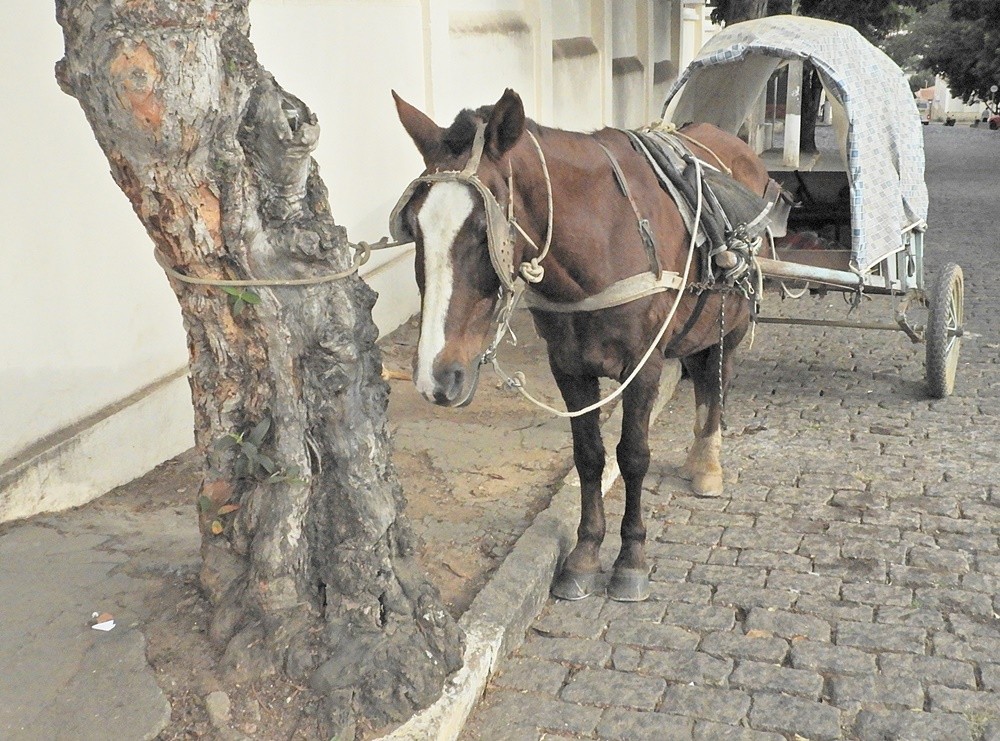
(474, 479)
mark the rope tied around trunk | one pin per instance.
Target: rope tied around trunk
(362, 253)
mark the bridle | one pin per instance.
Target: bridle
(500, 228)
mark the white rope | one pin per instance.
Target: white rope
(669, 127)
(518, 379)
(363, 251)
(532, 271)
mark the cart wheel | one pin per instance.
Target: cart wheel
(944, 330)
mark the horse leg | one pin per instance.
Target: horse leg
(630, 581)
(579, 572)
(703, 466)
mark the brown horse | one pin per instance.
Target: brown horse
(594, 243)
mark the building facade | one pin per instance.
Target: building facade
(93, 388)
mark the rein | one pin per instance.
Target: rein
(532, 271)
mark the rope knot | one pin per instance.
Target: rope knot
(363, 252)
(532, 271)
(668, 127)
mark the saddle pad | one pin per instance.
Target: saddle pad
(727, 202)
(740, 204)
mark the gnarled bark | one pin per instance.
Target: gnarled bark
(307, 559)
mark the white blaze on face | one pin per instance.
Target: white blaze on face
(445, 209)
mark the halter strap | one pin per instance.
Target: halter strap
(472, 165)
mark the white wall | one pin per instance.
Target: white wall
(88, 323)
(86, 317)
(946, 104)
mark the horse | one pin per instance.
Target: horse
(578, 195)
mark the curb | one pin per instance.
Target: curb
(502, 612)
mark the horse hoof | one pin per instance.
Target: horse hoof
(573, 585)
(629, 585)
(707, 485)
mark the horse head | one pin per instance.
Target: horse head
(453, 213)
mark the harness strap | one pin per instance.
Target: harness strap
(472, 164)
(622, 292)
(689, 324)
(679, 198)
(644, 231)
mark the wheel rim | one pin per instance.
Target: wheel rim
(953, 327)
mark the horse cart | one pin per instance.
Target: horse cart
(860, 208)
(608, 237)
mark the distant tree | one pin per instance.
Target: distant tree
(875, 19)
(957, 39)
(919, 34)
(921, 80)
(734, 11)
(966, 49)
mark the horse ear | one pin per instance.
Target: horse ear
(506, 124)
(425, 133)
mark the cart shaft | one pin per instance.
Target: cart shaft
(797, 271)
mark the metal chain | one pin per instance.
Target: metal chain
(722, 340)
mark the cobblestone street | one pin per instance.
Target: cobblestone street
(847, 583)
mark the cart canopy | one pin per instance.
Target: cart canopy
(882, 141)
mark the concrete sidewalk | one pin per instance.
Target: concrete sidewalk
(59, 677)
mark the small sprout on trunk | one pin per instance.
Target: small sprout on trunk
(241, 297)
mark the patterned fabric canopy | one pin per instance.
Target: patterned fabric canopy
(882, 141)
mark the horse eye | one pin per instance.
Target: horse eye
(478, 220)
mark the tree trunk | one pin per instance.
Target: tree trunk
(306, 556)
(812, 90)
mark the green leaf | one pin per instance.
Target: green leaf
(250, 297)
(204, 503)
(257, 434)
(238, 305)
(226, 441)
(234, 292)
(267, 464)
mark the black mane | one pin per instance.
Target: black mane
(460, 135)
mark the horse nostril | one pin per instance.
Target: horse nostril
(451, 381)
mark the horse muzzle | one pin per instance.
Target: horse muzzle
(454, 385)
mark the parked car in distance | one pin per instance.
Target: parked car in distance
(924, 109)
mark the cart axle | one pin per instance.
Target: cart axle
(830, 323)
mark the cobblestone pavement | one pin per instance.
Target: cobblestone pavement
(847, 584)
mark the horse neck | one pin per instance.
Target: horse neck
(573, 160)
